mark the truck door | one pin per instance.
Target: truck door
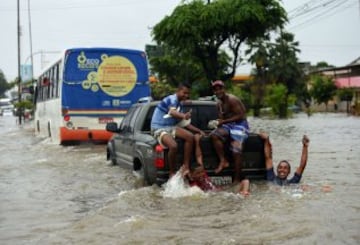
(127, 139)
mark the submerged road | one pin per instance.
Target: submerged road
(50, 194)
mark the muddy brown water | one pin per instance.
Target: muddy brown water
(50, 194)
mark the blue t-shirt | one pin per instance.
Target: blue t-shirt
(270, 176)
(160, 118)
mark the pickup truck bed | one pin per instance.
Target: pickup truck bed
(133, 147)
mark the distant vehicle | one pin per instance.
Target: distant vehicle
(5, 103)
(6, 107)
(85, 89)
(7, 112)
(294, 108)
(291, 108)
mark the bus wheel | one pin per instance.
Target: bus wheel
(49, 129)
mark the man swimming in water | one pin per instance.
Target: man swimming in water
(198, 177)
(283, 169)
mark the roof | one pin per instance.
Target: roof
(348, 82)
(355, 62)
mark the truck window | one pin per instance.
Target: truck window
(202, 114)
(133, 117)
(146, 126)
(125, 123)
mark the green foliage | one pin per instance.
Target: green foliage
(283, 63)
(159, 90)
(244, 95)
(277, 63)
(203, 31)
(24, 104)
(323, 89)
(323, 64)
(292, 99)
(174, 68)
(345, 94)
(4, 85)
(276, 97)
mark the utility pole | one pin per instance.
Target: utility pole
(19, 110)
(30, 36)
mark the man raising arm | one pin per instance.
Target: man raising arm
(284, 168)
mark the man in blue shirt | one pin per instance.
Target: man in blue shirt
(283, 168)
(170, 121)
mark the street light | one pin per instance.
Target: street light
(31, 57)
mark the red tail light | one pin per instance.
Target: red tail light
(159, 157)
(66, 118)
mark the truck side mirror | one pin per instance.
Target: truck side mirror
(112, 127)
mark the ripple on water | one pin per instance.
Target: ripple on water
(71, 195)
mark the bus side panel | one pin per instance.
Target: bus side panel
(83, 135)
(48, 119)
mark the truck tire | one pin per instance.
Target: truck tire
(110, 156)
(145, 174)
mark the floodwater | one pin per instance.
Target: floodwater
(50, 194)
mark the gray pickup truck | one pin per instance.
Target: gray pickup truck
(133, 147)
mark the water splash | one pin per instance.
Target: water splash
(176, 187)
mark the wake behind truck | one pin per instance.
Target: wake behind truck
(133, 147)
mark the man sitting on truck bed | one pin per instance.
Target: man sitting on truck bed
(232, 128)
(170, 121)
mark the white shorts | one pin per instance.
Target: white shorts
(161, 132)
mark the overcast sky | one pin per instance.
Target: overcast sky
(328, 30)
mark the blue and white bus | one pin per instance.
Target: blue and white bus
(86, 88)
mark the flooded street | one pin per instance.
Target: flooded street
(50, 194)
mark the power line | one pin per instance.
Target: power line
(87, 5)
(307, 8)
(329, 9)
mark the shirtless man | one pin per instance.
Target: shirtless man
(232, 128)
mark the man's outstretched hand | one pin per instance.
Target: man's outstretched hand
(305, 140)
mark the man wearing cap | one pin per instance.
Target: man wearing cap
(232, 128)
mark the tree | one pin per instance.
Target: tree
(323, 64)
(171, 67)
(276, 95)
(323, 89)
(4, 85)
(346, 94)
(259, 56)
(159, 90)
(284, 67)
(204, 31)
(277, 63)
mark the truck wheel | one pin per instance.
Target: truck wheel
(111, 157)
(145, 174)
(113, 161)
